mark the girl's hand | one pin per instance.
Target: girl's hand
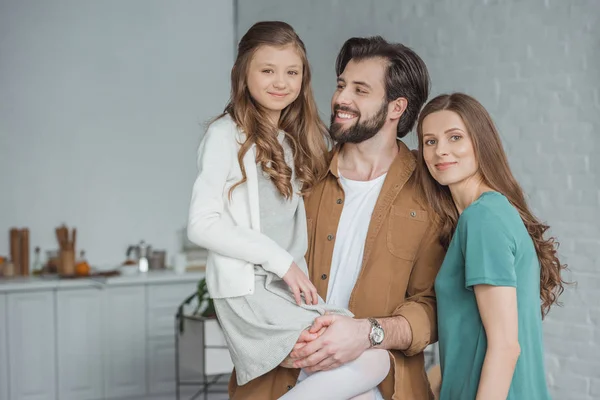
(300, 284)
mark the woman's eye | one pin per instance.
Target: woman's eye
(429, 142)
(454, 138)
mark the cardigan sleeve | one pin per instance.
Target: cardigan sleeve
(206, 227)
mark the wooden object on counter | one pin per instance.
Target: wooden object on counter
(66, 252)
(15, 250)
(19, 250)
(67, 262)
(24, 252)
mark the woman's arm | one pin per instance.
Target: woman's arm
(207, 228)
(498, 311)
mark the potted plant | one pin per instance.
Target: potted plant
(205, 306)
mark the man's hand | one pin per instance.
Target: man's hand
(344, 340)
(305, 337)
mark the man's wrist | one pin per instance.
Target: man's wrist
(366, 333)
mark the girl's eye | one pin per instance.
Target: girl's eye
(293, 72)
(267, 71)
(430, 142)
(454, 138)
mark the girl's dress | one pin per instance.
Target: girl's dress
(261, 329)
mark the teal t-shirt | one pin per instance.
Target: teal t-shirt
(490, 246)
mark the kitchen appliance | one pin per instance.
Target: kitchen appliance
(141, 254)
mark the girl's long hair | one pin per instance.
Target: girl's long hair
(496, 173)
(304, 131)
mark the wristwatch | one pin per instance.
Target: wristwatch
(377, 334)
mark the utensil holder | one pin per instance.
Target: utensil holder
(67, 262)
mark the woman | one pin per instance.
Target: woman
(498, 264)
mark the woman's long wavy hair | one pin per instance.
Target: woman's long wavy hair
(496, 173)
(304, 131)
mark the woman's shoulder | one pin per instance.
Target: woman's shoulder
(492, 209)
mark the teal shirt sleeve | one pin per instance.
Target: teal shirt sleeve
(488, 246)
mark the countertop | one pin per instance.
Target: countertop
(54, 283)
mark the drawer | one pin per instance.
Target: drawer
(163, 301)
(170, 295)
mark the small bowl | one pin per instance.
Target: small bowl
(129, 270)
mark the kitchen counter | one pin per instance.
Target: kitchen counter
(34, 283)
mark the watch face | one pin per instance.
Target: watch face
(378, 335)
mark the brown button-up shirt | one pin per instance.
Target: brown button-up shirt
(401, 258)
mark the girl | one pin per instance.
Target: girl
(255, 163)
(498, 263)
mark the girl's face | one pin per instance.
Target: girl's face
(275, 77)
(448, 149)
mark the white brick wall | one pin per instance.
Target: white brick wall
(535, 65)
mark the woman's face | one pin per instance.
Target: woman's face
(447, 148)
(275, 77)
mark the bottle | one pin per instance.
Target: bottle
(36, 268)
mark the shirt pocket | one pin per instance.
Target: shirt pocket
(405, 231)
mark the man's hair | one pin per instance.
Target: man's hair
(406, 74)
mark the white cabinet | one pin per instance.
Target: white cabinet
(79, 330)
(161, 366)
(124, 341)
(31, 346)
(163, 301)
(86, 340)
(3, 350)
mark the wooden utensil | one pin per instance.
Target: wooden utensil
(24, 252)
(15, 250)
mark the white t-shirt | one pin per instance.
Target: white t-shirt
(360, 199)
(346, 262)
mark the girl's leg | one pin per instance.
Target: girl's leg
(354, 380)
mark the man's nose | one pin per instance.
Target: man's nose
(343, 97)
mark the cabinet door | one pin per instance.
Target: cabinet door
(3, 349)
(161, 366)
(125, 341)
(163, 300)
(79, 329)
(31, 345)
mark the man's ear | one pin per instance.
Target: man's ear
(397, 108)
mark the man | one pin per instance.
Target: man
(373, 244)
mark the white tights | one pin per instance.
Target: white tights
(355, 380)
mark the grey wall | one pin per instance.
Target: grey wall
(534, 65)
(101, 112)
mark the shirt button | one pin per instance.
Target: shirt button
(413, 214)
(339, 201)
(324, 276)
(330, 237)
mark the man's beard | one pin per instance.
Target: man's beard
(360, 130)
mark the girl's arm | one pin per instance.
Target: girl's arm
(498, 310)
(206, 228)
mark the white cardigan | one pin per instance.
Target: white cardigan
(230, 229)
